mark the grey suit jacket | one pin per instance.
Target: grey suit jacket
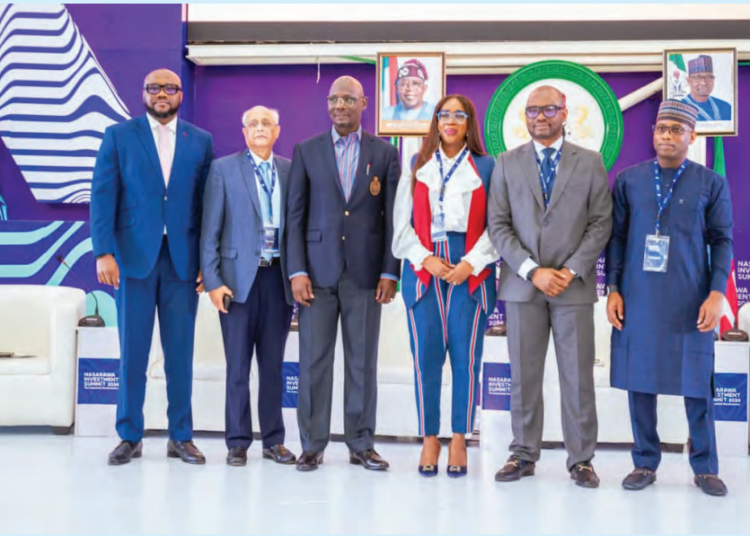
(232, 230)
(572, 232)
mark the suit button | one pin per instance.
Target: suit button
(545, 222)
(165, 198)
(343, 238)
(346, 213)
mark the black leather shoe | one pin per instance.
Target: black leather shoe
(514, 469)
(186, 451)
(309, 461)
(280, 454)
(237, 457)
(639, 479)
(124, 452)
(711, 485)
(369, 459)
(584, 475)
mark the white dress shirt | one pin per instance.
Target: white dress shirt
(276, 194)
(456, 205)
(529, 264)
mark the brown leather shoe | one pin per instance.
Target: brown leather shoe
(369, 459)
(584, 475)
(309, 461)
(514, 469)
(280, 454)
(186, 451)
(124, 452)
(237, 457)
(710, 485)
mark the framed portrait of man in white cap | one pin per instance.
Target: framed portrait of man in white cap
(706, 79)
(409, 87)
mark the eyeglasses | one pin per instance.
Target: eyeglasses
(458, 117)
(405, 83)
(169, 89)
(265, 125)
(549, 111)
(348, 102)
(703, 77)
(674, 130)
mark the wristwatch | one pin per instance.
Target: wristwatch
(612, 288)
(530, 273)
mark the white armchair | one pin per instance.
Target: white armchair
(40, 322)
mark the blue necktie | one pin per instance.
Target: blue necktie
(547, 171)
(265, 173)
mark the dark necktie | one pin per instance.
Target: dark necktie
(547, 171)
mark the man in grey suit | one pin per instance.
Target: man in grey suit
(550, 216)
(242, 244)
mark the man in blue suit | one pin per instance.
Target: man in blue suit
(339, 232)
(242, 248)
(146, 203)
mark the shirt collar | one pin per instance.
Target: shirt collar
(257, 159)
(445, 158)
(336, 136)
(538, 147)
(153, 123)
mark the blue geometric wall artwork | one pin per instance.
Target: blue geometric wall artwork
(29, 252)
(55, 101)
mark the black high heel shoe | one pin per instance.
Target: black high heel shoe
(430, 469)
(456, 471)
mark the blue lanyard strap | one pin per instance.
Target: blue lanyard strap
(447, 177)
(545, 180)
(663, 199)
(263, 184)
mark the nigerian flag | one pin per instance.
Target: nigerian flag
(678, 61)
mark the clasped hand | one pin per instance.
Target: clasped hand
(453, 274)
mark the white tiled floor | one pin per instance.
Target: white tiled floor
(53, 484)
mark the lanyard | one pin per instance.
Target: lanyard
(263, 184)
(553, 171)
(662, 200)
(447, 177)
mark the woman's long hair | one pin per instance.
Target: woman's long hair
(432, 141)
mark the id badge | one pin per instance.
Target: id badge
(438, 228)
(271, 240)
(656, 254)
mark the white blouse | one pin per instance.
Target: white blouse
(456, 204)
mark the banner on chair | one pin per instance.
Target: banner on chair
(496, 386)
(730, 397)
(290, 373)
(98, 380)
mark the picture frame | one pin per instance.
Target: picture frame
(707, 79)
(409, 85)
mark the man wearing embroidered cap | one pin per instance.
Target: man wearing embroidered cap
(411, 86)
(666, 292)
(701, 81)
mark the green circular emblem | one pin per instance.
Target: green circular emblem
(594, 115)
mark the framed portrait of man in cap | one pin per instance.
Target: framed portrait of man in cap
(409, 86)
(706, 79)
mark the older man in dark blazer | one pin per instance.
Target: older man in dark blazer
(339, 230)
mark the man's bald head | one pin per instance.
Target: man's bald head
(546, 114)
(346, 102)
(160, 104)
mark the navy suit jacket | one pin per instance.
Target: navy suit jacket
(325, 233)
(232, 233)
(130, 204)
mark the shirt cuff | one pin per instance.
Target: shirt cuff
(296, 274)
(526, 266)
(389, 276)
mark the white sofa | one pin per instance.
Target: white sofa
(40, 322)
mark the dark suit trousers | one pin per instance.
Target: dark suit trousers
(261, 323)
(704, 459)
(318, 326)
(177, 303)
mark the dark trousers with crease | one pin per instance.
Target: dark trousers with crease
(647, 448)
(260, 324)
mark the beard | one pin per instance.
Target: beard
(161, 115)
